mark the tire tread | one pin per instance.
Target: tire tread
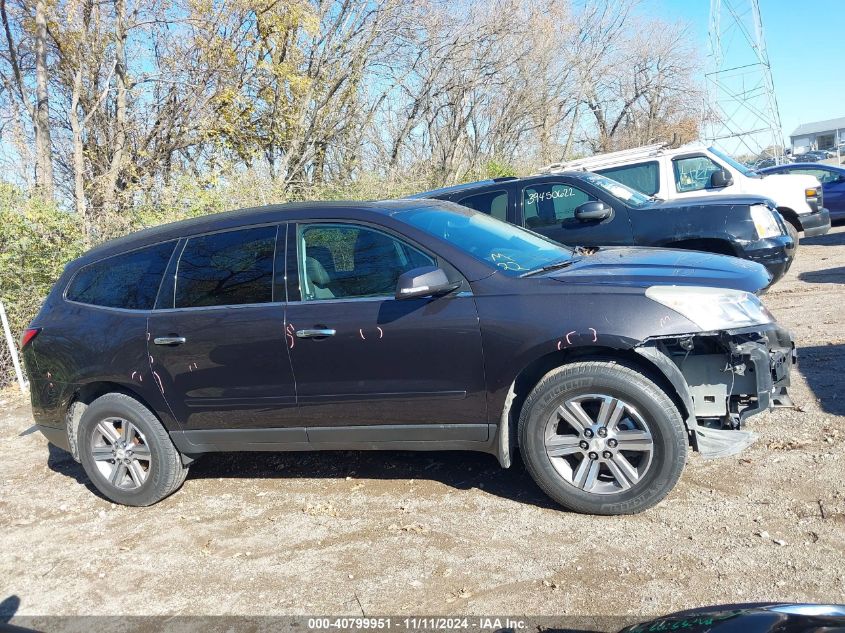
(172, 473)
(632, 374)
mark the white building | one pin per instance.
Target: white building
(819, 135)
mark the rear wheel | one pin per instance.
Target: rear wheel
(601, 438)
(127, 453)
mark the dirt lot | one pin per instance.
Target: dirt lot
(405, 533)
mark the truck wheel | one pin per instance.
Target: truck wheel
(127, 453)
(599, 437)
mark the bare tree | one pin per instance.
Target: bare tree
(16, 82)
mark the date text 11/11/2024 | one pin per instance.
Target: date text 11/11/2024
(417, 623)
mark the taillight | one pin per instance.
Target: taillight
(29, 334)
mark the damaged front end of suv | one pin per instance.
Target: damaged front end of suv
(736, 367)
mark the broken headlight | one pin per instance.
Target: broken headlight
(712, 308)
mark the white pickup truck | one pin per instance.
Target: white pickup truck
(693, 170)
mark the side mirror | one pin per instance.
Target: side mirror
(428, 281)
(593, 210)
(720, 178)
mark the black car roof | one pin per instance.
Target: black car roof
(245, 217)
(471, 186)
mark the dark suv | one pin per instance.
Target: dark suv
(587, 209)
(400, 325)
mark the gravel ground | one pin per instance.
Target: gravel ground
(441, 533)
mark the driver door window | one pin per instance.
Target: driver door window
(550, 204)
(693, 173)
(344, 261)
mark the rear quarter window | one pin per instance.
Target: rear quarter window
(493, 203)
(129, 281)
(644, 177)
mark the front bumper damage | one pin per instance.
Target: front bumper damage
(723, 378)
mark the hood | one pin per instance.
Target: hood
(799, 181)
(722, 199)
(644, 267)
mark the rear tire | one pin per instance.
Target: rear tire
(127, 453)
(630, 449)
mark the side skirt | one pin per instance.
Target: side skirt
(422, 437)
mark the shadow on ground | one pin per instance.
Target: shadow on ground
(824, 369)
(828, 276)
(461, 470)
(8, 608)
(60, 461)
(831, 239)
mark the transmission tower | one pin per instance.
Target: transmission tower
(742, 113)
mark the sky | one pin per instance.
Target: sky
(806, 44)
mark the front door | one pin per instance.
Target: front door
(363, 358)
(691, 176)
(548, 207)
(217, 349)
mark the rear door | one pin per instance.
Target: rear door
(548, 207)
(216, 340)
(362, 358)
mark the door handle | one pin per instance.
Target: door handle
(169, 340)
(315, 333)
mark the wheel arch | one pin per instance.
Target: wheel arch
(531, 374)
(88, 393)
(791, 216)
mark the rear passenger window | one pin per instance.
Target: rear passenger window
(229, 268)
(493, 203)
(643, 177)
(128, 281)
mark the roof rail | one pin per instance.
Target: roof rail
(579, 163)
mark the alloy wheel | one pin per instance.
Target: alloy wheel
(599, 443)
(121, 453)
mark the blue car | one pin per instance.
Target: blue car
(831, 177)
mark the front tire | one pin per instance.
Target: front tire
(127, 453)
(792, 232)
(600, 437)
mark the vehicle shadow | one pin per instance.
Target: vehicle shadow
(824, 369)
(829, 276)
(461, 470)
(60, 461)
(834, 238)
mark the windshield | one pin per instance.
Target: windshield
(743, 169)
(511, 249)
(619, 191)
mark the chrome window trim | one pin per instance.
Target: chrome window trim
(462, 294)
